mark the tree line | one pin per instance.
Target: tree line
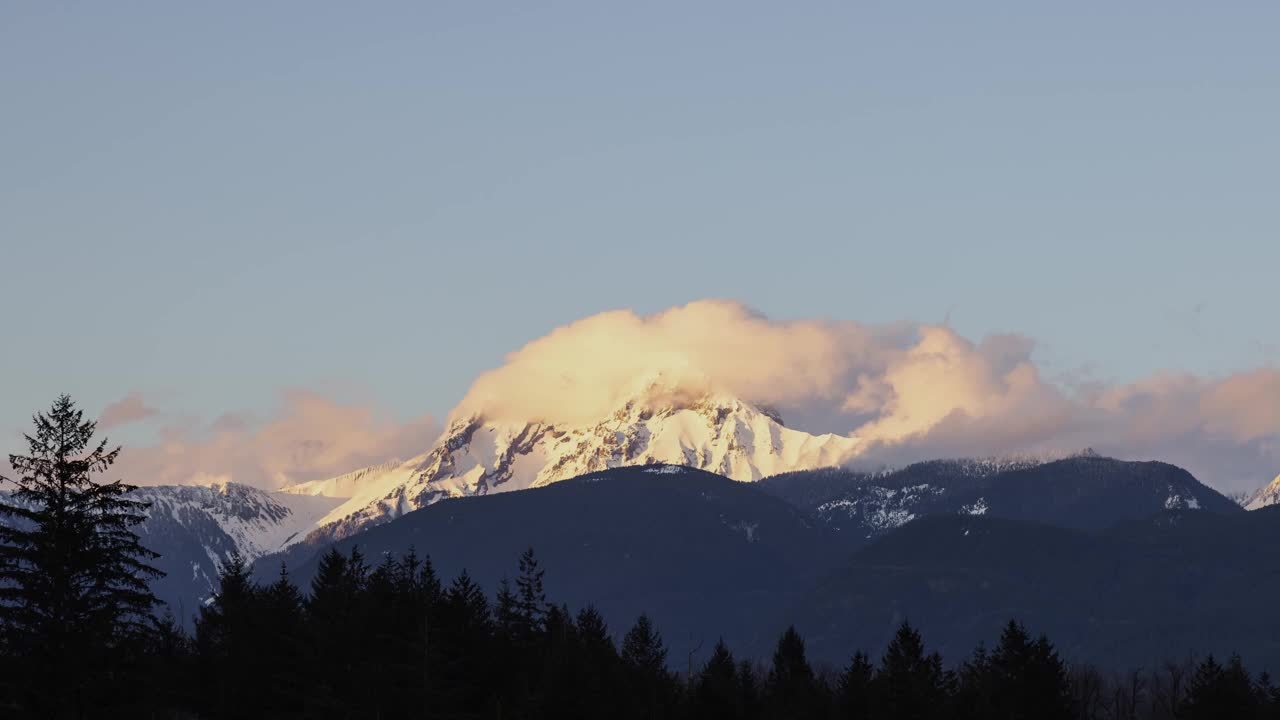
(79, 637)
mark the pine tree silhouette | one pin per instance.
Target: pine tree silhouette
(1021, 678)
(791, 689)
(910, 685)
(229, 641)
(854, 688)
(1219, 691)
(74, 575)
(716, 693)
(645, 658)
(531, 598)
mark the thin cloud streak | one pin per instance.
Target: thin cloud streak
(310, 437)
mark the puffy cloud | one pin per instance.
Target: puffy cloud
(129, 409)
(908, 391)
(311, 437)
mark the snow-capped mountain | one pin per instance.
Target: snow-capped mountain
(477, 456)
(197, 528)
(1265, 497)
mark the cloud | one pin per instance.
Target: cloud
(311, 437)
(129, 409)
(909, 391)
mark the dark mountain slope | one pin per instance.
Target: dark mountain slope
(704, 555)
(1145, 591)
(1084, 491)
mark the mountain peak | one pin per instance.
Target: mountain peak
(1265, 496)
(658, 422)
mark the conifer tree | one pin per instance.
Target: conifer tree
(854, 688)
(600, 666)
(334, 633)
(280, 607)
(506, 612)
(791, 689)
(462, 684)
(531, 598)
(1021, 678)
(910, 684)
(749, 686)
(643, 650)
(645, 658)
(1218, 691)
(229, 641)
(716, 694)
(74, 591)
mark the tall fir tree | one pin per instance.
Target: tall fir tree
(600, 667)
(74, 576)
(791, 689)
(531, 599)
(229, 644)
(853, 690)
(716, 694)
(910, 684)
(462, 684)
(644, 656)
(1021, 678)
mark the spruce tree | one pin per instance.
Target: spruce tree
(643, 650)
(854, 688)
(506, 612)
(791, 689)
(601, 669)
(1219, 691)
(1022, 678)
(229, 643)
(74, 576)
(645, 658)
(282, 642)
(716, 693)
(910, 684)
(531, 599)
(749, 686)
(334, 633)
(463, 685)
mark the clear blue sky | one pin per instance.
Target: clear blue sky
(211, 201)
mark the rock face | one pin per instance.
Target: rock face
(476, 456)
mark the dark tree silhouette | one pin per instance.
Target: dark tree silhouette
(716, 693)
(74, 594)
(910, 684)
(791, 689)
(644, 657)
(854, 688)
(531, 599)
(1220, 691)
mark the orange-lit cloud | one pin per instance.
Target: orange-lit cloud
(311, 437)
(129, 409)
(908, 391)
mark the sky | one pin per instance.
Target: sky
(277, 220)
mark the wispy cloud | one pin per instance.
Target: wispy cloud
(129, 409)
(309, 437)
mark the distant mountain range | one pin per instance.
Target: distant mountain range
(711, 515)
(1084, 491)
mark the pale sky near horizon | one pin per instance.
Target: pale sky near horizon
(209, 203)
